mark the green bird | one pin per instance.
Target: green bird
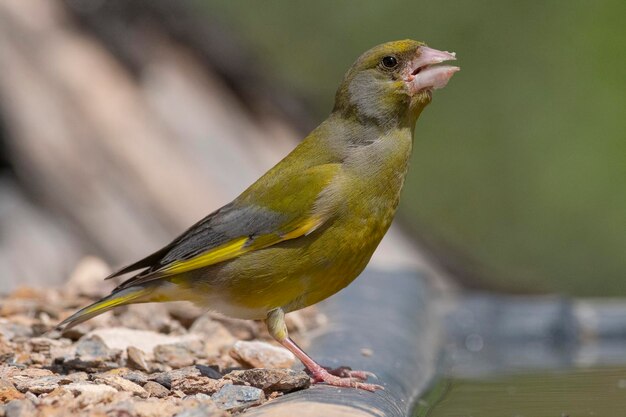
(309, 226)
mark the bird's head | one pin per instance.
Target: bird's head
(393, 82)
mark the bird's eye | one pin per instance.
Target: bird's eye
(390, 61)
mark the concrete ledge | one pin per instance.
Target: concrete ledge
(390, 313)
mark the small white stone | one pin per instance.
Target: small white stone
(122, 384)
(121, 338)
(88, 394)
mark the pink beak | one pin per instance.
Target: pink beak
(426, 74)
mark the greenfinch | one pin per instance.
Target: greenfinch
(307, 227)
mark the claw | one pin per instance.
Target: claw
(347, 372)
(348, 382)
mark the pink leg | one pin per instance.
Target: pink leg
(340, 377)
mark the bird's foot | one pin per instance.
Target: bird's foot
(347, 372)
(344, 377)
(340, 377)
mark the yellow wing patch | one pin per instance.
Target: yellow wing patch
(237, 247)
(221, 253)
(304, 229)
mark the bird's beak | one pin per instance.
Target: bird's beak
(423, 73)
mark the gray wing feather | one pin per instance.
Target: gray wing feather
(227, 223)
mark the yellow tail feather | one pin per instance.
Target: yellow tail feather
(126, 296)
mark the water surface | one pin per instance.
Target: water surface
(569, 393)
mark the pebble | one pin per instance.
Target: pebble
(121, 384)
(152, 317)
(209, 371)
(262, 355)
(38, 386)
(32, 398)
(183, 312)
(93, 348)
(217, 339)
(46, 346)
(156, 390)
(167, 379)
(8, 392)
(77, 332)
(38, 359)
(146, 340)
(41, 380)
(137, 377)
(13, 372)
(92, 354)
(19, 408)
(11, 330)
(6, 349)
(200, 405)
(75, 377)
(60, 396)
(176, 356)
(237, 397)
(200, 412)
(240, 329)
(198, 385)
(269, 380)
(136, 358)
(151, 407)
(88, 393)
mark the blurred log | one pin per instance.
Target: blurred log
(125, 27)
(131, 157)
(81, 130)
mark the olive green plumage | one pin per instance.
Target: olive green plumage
(307, 227)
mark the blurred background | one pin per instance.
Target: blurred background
(124, 122)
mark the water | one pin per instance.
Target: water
(568, 393)
(523, 356)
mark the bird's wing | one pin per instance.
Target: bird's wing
(289, 209)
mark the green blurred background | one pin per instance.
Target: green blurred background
(520, 163)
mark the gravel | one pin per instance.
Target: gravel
(165, 361)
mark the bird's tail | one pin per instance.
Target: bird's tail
(126, 296)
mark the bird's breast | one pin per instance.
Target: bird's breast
(303, 271)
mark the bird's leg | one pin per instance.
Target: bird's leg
(340, 377)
